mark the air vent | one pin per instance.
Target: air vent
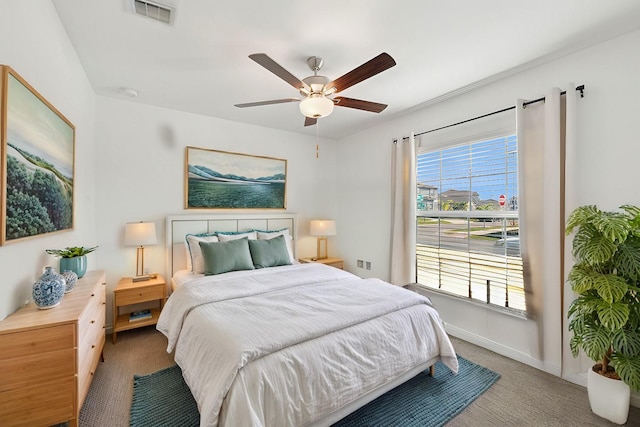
(154, 11)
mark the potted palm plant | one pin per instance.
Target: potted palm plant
(73, 258)
(605, 316)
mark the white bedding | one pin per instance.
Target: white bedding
(184, 276)
(286, 346)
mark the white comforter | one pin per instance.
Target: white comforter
(286, 346)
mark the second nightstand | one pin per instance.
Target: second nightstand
(128, 292)
(333, 262)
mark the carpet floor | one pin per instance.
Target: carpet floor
(162, 398)
(524, 396)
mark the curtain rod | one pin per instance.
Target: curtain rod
(524, 104)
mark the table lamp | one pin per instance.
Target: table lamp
(322, 228)
(140, 234)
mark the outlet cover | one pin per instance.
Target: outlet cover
(360, 263)
(368, 265)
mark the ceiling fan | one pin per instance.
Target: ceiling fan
(317, 89)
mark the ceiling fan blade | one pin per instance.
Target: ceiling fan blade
(275, 68)
(359, 104)
(273, 101)
(310, 121)
(376, 65)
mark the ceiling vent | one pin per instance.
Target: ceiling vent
(155, 11)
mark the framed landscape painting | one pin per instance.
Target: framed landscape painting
(37, 152)
(223, 180)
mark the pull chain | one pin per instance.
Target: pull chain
(317, 144)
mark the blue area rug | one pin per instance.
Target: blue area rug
(163, 399)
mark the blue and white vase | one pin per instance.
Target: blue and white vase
(70, 279)
(48, 290)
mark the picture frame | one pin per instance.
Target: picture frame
(215, 179)
(37, 154)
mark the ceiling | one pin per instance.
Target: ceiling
(200, 63)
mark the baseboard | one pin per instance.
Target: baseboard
(578, 379)
(495, 347)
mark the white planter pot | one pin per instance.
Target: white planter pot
(608, 398)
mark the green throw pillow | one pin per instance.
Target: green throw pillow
(269, 253)
(222, 257)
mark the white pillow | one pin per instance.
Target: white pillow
(195, 260)
(272, 234)
(251, 235)
(263, 235)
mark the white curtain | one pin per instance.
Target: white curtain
(570, 365)
(542, 138)
(403, 214)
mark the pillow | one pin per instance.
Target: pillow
(222, 257)
(195, 262)
(264, 234)
(287, 239)
(269, 252)
(225, 237)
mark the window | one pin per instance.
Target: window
(467, 241)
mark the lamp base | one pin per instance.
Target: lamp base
(322, 248)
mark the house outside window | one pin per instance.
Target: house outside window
(467, 222)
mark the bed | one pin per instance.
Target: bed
(289, 344)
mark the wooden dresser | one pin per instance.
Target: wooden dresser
(48, 357)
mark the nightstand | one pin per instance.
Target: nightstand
(333, 262)
(127, 293)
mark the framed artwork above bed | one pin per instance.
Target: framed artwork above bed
(216, 179)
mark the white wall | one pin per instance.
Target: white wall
(34, 43)
(140, 157)
(609, 148)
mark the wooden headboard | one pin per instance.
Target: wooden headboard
(178, 226)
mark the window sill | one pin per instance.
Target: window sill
(423, 290)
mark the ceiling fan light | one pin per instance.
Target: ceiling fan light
(316, 106)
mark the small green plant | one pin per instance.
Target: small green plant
(71, 252)
(605, 317)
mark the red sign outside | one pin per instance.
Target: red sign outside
(502, 199)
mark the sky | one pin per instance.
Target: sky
(34, 127)
(236, 163)
(486, 167)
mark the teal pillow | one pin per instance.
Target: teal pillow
(222, 257)
(269, 252)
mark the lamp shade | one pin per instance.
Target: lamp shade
(316, 105)
(140, 234)
(322, 227)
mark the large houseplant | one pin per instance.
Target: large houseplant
(73, 258)
(605, 316)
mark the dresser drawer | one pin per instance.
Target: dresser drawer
(29, 369)
(35, 355)
(140, 294)
(41, 404)
(91, 339)
(41, 340)
(92, 320)
(91, 336)
(87, 368)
